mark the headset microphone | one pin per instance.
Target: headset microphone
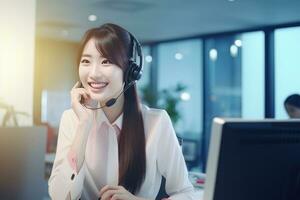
(112, 101)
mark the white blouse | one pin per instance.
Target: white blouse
(163, 158)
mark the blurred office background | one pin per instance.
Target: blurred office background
(203, 58)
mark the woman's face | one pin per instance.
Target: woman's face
(102, 79)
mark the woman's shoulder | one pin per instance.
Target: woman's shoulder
(68, 123)
(156, 122)
(68, 116)
(151, 111)
(154, 113)
(69, 112)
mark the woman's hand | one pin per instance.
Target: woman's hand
(109, 192)
(82, 113)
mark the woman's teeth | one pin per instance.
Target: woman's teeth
(98, 85)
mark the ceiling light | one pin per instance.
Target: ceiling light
(185, 96)
(148, 59)
(178, 56)
(238, 43)
(213, 54)
(233, 50)
(92, 18)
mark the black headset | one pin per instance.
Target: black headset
(134, 71)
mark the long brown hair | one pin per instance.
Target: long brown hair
(113, 42)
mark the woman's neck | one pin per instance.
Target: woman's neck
(112, 113)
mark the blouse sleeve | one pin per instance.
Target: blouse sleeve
(171, 163)
(65, 182)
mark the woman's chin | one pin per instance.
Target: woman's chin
(97, 97)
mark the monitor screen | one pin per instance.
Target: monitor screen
(253, 160)
(22, 162)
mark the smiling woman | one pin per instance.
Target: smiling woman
(119, 151)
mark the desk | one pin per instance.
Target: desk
(199, 194)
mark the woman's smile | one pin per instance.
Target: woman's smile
(97, 86)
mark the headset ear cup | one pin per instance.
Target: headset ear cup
(136, 72)
(128, 73)
(133, 72)
(126, 76)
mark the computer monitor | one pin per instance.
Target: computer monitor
(22, 163)
(253, 160)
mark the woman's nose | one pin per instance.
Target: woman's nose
(95, 70)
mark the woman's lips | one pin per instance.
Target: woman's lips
(97, 86)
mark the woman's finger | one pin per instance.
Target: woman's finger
(78, 94)
(84, 94)
(109, 193)
(106, 188)
(82, 90)
(77, 84)
(119, 197)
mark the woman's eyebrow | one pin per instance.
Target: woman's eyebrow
(90, 56)
(86, 55)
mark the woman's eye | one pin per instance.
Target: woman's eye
(105, 62)
(85, 61)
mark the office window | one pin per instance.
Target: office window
(145, 79)
(180, 65)
(287, 67)
(253, 75)
(234, 79)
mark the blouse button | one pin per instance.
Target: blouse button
(72, 177)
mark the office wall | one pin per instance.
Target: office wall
(55, 70)
(17, 20)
